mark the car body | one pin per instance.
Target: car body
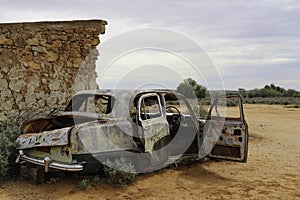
(152, 128)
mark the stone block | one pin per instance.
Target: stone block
(39, 49)
(5, 41)
(77, 63)
(51, 56)
(34, 65)
(17, 84)
(54, 86)
(33, 42)
(3, 84)
(5, 93)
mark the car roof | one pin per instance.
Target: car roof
(124, 97)
(111, 92)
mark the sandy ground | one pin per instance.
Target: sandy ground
(272, 170)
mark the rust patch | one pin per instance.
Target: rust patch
(47, 138)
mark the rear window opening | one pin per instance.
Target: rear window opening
(100, 104)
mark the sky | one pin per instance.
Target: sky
(245, 44)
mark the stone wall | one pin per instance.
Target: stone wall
(42, 64)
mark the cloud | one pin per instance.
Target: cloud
(137, 51)
(238, 35)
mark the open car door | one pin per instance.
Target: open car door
(226, 121)
(155, 127)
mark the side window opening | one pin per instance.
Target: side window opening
(150, 107)
(226, 108)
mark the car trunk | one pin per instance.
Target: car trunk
(49, 137)
(68, 119)
(62, 137)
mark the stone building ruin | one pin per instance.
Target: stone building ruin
(43, 64)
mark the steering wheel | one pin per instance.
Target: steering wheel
(176, 121)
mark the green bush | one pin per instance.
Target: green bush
(231, 102)
(125, 175)
(203, 112)
(273, 100)
(205, 101)
(96, 179)
(9, 131)
(84, 184)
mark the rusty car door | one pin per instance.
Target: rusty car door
(154, 125)
(225, 133)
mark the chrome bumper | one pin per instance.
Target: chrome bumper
(47, 163)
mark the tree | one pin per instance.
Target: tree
(273, 86)
(242, 92)
(273, 91)
(191, 89)
(290, 92)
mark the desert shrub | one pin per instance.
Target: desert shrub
(273, 100)
(9, 130)
(292, 106)
(96, 179)
(285, 103)
(231, 102)
(84, 184)
(125, 175)
(203, 112)
(205, 101)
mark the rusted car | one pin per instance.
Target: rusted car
(152, 128)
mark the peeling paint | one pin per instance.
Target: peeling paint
(57, 137)
(134, 121)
